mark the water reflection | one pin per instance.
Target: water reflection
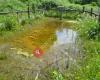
(64, 52)
(65, 36)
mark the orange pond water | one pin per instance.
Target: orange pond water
(40, 35)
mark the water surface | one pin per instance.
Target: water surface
(65, 36)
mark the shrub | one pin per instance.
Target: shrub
(94, 4)
(23, 22)
(87, 24)
(9, 24)
(75, 1)
(48, 5)
(94, 32)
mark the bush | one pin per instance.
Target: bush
(23, 22)
(94, 4)
(9, 24)
(75, 1)
(94, 32)
(48, 5)
(87, 23)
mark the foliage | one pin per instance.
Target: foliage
(9, 5)
(57, 76)
(24, 1)
(48, 5)
(75, 1)
(94, 32)
(94, 4)
(23, 22)
(88, 24)
(84, 2)
(8, 24)
(98, 3)
(90, 66)
(65, 15)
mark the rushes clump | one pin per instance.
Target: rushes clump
(9, 24)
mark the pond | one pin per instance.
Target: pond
(59, 41)
(55, 38)
(65, 36)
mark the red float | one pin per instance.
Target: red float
(38, 52)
